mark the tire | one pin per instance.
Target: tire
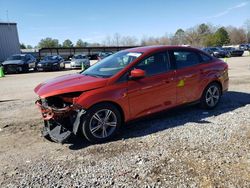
(25, 68)
(94, 128)
(211, 96)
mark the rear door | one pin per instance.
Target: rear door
(187, 77)
(156, 91)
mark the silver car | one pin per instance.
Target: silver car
(79, 61)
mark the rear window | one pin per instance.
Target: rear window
(186, 58)
(205, 58)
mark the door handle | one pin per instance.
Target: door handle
(188, 76)
(166, 81)
(146, 87)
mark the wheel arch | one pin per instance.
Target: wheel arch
(211, 82)
(216, 82)
(119, 108)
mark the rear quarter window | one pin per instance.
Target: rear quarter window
(205, 58)
(185, 58)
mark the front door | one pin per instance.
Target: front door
(154, 92)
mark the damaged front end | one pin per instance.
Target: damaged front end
(61, 116)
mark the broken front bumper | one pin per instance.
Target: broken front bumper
(60, 123)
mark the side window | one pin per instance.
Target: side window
(205, 58)
(28, 57)
(155, 64)
(186, 58)
(31, 57)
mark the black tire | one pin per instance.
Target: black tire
(25, 68)
(89, 120)
(211, 88)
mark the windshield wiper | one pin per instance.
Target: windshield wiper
(95, 75)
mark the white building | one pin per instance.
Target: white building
(9, 41)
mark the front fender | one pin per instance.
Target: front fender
(116, 94)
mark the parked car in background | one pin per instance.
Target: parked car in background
(244, 47)
(93, 58)
(216, 52)
(103, 55)
(19, 63)
(77, 61)
(233, 52)
(128, 85)
(49, 63)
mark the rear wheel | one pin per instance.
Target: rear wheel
(211, 96)
(101, 123)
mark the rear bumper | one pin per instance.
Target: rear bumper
(79, 65)
(75, 66)
(45, 68)
(237, 53)
(225, 85)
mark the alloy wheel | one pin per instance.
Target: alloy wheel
(212, 96)
(103, 123)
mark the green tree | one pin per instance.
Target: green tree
(247, 27)
(29, 46)
(48, 43)
(221, 37)
(179, 37)
(210, 40)
(203, 29)
(22, 46)
(80, 43)
(205, 35)
(67, 43)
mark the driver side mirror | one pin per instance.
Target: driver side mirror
(137, 74)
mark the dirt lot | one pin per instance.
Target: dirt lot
(186, 147)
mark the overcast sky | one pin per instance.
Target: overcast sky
(93, 20)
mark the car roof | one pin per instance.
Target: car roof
(19, 54)
(149, 49)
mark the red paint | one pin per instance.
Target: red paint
(137, 73)
(140, 97)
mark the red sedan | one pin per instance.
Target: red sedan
(128, 85)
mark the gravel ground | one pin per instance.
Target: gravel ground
(185, 147)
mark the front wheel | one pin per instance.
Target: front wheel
(211, 96)
(101, 123)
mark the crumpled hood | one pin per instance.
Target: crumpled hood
(69, 83)
(13, 62)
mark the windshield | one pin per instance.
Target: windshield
(214, 49)
(50, 58)
(17, 57)
(79, 57)
(112, 64)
